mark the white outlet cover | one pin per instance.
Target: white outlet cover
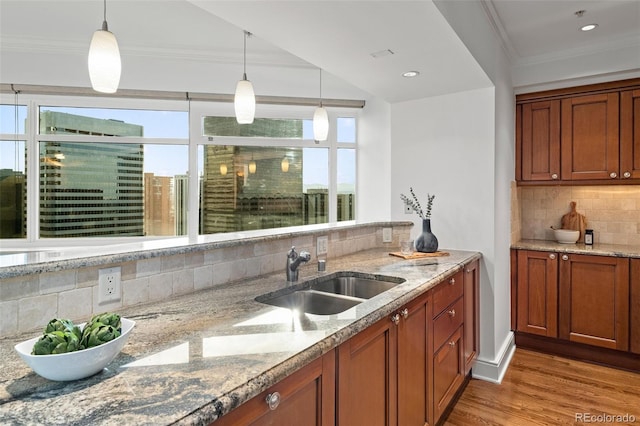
(322, 245)
(109, 285)
(387, 235)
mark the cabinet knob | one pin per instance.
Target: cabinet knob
(452, 281)
(565, 257)
(404, 313)
(395, 318)
(613, 175)
(552, 256)
(452, 313)
(554, 176)
(273, 400)
(627, 175)
(452, 343)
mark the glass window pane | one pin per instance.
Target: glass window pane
(12, 189)
(8, 119)
(346, 129)
(282, 128)
(346, 184)
(109, 189)
(244, 188)
(114, 122)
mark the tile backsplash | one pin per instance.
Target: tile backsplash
(612, 211)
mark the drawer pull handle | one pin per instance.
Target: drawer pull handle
(395, 318)
(273, 400)
(613, 175)
(552, 256)
(565, 257)
(452, 281)
(452, 313)
(405, 312)
(627, 175)
(554, 176)
(452, 343)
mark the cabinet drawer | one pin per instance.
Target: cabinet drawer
(447, 292)
(448, 322)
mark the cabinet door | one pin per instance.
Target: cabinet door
(367, 377)
(307, 397)
(630, 134)
(594, 300)
(537, 296)
(635, 306)
(471, 314)
(413, 378)
(541, 141)
(448, 373)
(590, 145)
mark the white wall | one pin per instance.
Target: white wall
(374, 162)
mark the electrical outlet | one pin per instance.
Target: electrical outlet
(407, 209)
(322, 245)
(109, 289)
(387, 235)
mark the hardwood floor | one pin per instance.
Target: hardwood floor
(541, 389)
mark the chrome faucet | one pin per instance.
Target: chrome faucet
(293, 261)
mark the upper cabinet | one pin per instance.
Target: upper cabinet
(588, 134)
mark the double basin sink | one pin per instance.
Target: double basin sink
(331, 294)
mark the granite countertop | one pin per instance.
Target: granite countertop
(195, 357)
(613, 250)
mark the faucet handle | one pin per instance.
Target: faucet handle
(292, 253)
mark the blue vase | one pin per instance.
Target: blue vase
(426, 242)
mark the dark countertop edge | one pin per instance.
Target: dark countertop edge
(134, 251)
(228, 402)
(611, 250)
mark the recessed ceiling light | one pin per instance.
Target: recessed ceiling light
(589, 27)
(410, 74)
(382, 53)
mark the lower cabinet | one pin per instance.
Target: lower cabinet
(448, 372)
(305, 398)
(635, 306)
(577, 298)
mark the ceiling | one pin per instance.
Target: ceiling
(337, 36)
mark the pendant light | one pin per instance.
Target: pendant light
(223, 169)
(104, 59)
(252, 165)
(244, 101)
(320, 119)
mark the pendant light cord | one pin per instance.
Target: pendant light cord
(105, 27)
(244, 57)
(320, 87)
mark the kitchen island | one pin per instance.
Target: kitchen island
(195, 357)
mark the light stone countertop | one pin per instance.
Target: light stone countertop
(612, 250)
(195, 357)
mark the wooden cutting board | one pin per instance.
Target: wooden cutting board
(574, 221)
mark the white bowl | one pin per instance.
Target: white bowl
(566, 236)
(75, 365)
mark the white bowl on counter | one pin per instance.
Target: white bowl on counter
(566, 236)
(75, 365)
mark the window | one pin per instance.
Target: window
(119, 168)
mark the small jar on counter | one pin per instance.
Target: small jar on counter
(588, 237)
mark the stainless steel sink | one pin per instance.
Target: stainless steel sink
(356, 286)
(313, 302)
(331, 294)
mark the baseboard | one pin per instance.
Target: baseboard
(494, 370)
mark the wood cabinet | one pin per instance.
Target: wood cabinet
(383, 371)
(594, 300)
(587, 300)
(630, 134)
(306, 398)
(448, 344)
(588, 134)
(471, 314)
(541, 141)
(635, 306)
(537, 293)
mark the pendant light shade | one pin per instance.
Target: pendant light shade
(244, 100)
(223, 169)
(104, 59)
(252, 166)
(320, 119)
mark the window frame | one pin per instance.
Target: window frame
(195, 110)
